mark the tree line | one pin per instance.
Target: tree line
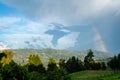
(114, 63)
(35, 70)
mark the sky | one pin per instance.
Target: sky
(60, 24)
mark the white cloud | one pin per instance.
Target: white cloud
(3, 46)
(68, 41)
(36, 27)
(22, 29)
(18, 40)
(6, 22)
(15, 31)
(17, 25)
(9, 20)
(58, 11)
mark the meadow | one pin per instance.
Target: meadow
(95, 75)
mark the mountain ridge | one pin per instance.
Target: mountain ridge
(21, 55)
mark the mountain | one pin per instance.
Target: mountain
(21, 55)
(98, 55)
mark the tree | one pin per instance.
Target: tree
(58, 74)
(103, 66)
(2, 54)
(80, 65)
(74, 64)
(35, 64)
(34, 60)
(114, 63)
(119, 61)
(89, 61)
(13, 71)
(35, 76)
(6, 57)
(62, 63)
(52, 64)
(96, 66)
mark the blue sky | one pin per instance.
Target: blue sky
(60, 24)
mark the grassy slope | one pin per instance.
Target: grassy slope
(115, 76)
(95, 75)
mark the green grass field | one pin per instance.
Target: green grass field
(95, 75)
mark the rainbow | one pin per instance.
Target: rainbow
(102, 44)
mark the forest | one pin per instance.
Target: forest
(35, 69)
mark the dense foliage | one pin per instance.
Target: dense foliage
(114, 63)
(35, 70)
(89, 61)
(74, 64)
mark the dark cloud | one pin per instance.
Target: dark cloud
(71, 11)
(57, 33)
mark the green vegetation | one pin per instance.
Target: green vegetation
(33, 70)
(74, 64)
(114, 63)
(95, 75)
(115, 76)
(71, 69)
(89, 61)
(34, 60)
(89, 74)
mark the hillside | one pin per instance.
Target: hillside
(95, 75)
(21, 55)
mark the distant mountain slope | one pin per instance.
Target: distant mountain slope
(98, 55)
(21, 55)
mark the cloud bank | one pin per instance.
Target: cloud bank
(69, 11)
(76, 18)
